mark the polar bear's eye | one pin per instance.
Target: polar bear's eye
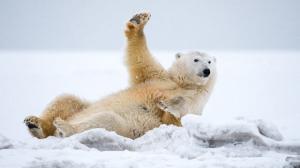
(196, 60)
(209, 62)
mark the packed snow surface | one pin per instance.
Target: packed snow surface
(239, 143)
(251, 120)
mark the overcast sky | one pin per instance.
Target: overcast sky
(175, 24)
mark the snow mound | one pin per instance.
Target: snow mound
(5, 143)
(234, 132)
(228, 144)
(268, 130)
(98, 138)
(103, 140)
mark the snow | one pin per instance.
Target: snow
(251, 119)
(198, 143)
(4, 142)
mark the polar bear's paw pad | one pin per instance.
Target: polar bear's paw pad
(141, 18)
(138, 21)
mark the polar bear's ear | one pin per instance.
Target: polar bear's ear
(178, 55)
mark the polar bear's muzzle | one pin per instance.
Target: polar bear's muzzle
(205, 73)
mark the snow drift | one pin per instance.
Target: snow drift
(238, 143)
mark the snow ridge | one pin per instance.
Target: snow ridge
(257, 143)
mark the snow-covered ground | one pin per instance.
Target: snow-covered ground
(256, 92)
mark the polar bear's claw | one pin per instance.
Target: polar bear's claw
(163, 106)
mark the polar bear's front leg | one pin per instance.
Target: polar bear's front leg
(175, 106)
(173, 109)
(140, 63)
(63, 129)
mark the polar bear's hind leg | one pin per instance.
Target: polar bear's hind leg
(34, 125)
(107, 120)
(63, 107)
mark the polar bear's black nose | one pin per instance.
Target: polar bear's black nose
(206, 72)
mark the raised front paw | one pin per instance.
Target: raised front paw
(34, 125)
(140, 18)
(137, 22)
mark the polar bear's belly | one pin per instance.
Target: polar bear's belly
(136, 107)
(140, 115)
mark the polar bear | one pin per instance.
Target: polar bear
(156, 96)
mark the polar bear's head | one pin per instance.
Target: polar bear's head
(193, 68)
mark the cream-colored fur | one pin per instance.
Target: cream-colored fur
(155, 97)
(194, 89)
(142, 67)
(63, 107)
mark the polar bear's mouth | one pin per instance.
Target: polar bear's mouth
(200, 74)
